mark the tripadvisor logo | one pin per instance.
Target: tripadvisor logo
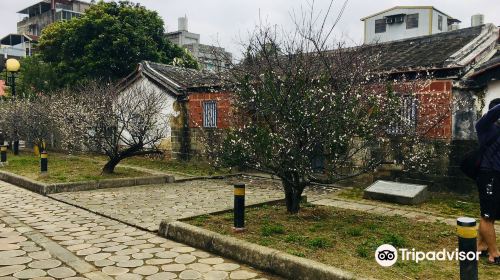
(387, 255)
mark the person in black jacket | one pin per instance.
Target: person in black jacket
(488, 181)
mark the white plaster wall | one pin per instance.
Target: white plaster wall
(398, 31)
(435, 16)
(168, 112)
(492, 92)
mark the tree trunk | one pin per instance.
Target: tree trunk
(109, 167)
(293, 195)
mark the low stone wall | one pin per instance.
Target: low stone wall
(286, 265)
(46, 189)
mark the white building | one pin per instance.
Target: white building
(210, 57)
(402, 22)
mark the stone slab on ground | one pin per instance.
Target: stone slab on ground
(402, 193)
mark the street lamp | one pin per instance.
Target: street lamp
(12, 65)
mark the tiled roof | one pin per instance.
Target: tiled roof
(431, 51)
(184, 78)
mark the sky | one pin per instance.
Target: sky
(227, 22)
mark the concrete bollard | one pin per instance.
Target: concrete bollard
(44, 162)
(239, 207)
(3, 154)
(467, 238)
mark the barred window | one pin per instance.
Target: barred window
(440, 22)
(210, 114)
(407, 117)
(380, 26)
(412, 21)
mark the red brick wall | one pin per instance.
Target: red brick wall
(435, 109)
(195, 108)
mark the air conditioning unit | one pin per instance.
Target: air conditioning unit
(389, 20)
(399, 19)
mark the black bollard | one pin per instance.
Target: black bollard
(44, 162)
(467, 238)
(3, 154)
(15, 147)
(239, 207)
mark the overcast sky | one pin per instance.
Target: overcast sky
(226, 21)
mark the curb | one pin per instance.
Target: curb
(46, 189)
(264, 258)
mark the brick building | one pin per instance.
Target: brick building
(197, 104)
(463, 66)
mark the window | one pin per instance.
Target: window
(407, 117)
(380, 26)
(440, 22)
(210, 114)
(412, 21)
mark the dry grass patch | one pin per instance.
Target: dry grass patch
(347, 239)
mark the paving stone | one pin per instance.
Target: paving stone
(130, 263)
(142, 256)
(190, 274)
(6, 270)
(146, 270)
(183, 249)
(45, 264)
(167, 255)
(119, 258)
(212, 260)
(10, 254)
(158, 261)
(185, 258)
(15, 260)
(114, 248)
(129, 276)
(61, 272)
(201, 254)
(41, 255)
(114, 271)
(201, 267)
(242, 274)
(31, 249)
(97, 257)
(88, 251)
(216, 275)
(226, 266)
(103, 263)
(29, 273)
(162, 276)
(8, 247)
(173, 267)
(78, 247)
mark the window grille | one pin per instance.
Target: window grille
(209, 114)
(412, 21)
(380, 26)
(440, 22)
(407, 117)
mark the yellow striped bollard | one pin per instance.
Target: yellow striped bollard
(239, 207)
(467, 248)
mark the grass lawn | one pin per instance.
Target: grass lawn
(63, 168)
(348, 239)
(451, 204)
(193, 167)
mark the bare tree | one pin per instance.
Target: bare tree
(119, 124)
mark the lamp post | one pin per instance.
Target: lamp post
(12, 65)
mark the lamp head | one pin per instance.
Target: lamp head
(12, 65)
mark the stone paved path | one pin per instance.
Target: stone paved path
(147, 206)
(388, 210)
(44, 239)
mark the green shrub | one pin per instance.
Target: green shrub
(319, 243)
(394, 239)
(268, 229)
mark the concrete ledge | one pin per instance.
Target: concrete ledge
(285, 265)
(46, 189)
